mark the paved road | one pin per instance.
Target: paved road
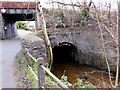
(8, 51)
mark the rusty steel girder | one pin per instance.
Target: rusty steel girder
(14, 5)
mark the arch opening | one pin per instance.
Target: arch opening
(64, 52)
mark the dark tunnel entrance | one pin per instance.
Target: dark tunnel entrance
(64, 52)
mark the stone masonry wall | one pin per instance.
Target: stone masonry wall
(89, 47)
(34, 45)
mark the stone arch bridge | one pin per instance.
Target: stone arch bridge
(70, 45)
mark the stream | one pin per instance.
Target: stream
(74, 70)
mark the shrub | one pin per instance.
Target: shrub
(21, 24)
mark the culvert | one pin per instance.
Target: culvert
(64, 52)
(65, 56)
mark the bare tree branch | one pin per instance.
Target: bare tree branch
(66, 4)
(103, 44)
(118, 45)
(110, 33)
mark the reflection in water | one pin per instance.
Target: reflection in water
(64, 56)
(74, 71)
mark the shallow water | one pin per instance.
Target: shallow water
(74, 71)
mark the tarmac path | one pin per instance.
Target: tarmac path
(8, 51)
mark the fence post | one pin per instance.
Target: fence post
(41, 75)
(26, 56)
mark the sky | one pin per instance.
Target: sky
(103, 2)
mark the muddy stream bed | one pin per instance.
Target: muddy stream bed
(74, 71)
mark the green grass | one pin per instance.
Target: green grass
(78, 84)
(50, 83)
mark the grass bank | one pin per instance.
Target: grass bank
(25, 78)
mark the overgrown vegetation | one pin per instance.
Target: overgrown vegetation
(26, 79)
(79, 84)
(21, 24)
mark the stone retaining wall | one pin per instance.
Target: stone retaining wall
(34, 45)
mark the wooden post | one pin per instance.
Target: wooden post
(118, 45)
(41, 75)
(26, 56)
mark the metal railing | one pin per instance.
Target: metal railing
(41, 75)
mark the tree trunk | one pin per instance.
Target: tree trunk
(47, 41)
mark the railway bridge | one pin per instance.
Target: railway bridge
(10, 12)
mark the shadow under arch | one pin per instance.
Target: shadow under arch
(64, 52)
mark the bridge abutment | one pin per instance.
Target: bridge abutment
(9, 28)
(1, 27)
